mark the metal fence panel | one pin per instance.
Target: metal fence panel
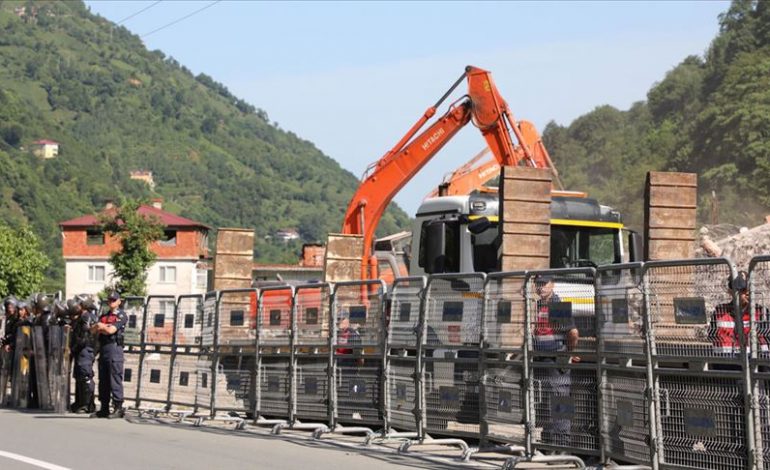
(702, 422)
(452, 395)
(359, 390)
(274, 381)
(699, 374)
(235, 383)
(453, 310)
(685, 303)
(358, 340)
(155, 380)
(209, 321)
(405, 303)
(160, 314)
(189, 318)
(759, 300)
(311, 302)
(203, 383)
(134, 308)
(451, 342)
(402, 393)
(274, 356)
(237, 317)
(312, 382)
(504, 363)
(130, 378)
(358, 310)
(402, 398)
(564, 387)
(184, 380)
(626, 408)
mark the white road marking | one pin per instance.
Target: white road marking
(31, 461)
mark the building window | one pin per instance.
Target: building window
(184, 379)
(96, 273)
(127, 375)
(189, 320)
(155, 376)
(168, 274)
(169, 238)
(94, 237)
(202, 279)
(159, 320)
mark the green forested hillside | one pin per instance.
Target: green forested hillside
(76, 78)
(709, 115)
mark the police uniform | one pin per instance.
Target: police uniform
(111, 362)
(83, 349)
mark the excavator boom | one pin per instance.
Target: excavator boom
(483, 106)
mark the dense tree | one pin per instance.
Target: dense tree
(22, 263)
(135, 232)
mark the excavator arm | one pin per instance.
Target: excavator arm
(483, 106)
(472, 176)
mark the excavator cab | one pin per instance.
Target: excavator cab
(462, 234)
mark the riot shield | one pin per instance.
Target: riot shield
(21, 367)
(41, 368)
(6, 365)
(58, 367)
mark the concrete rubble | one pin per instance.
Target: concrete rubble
(739, 244)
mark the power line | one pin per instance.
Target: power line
(181, 19)
(138, 12)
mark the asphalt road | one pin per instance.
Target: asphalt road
(61, 442)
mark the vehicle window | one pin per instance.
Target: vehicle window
(569, 244)
(485, 245)
(449, 262)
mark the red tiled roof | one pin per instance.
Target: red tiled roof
(166, 218)
(45, 142)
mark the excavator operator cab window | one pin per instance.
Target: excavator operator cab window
(583, 246)
(440, 246)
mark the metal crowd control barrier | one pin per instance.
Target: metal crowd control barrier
(700, 373)
(357, 323)
(233, 359)
(625, 396)
(204, 396)
(402, 358)
(273, 355)
(156, 349)
(504, 373)
(759, 300)
(449, 347)
(561, 341)
(184, 355)
(310, 367)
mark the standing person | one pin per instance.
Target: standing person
(553, 333)
(83, 346)
(11, 322)
(724, 329)
(7, 342)
(109, 331)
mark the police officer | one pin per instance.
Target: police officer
(83, 344)
(109, 331)
(11, 322)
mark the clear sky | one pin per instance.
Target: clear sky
(352, 77)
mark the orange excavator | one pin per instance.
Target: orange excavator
(473, 176)
(485, 108)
